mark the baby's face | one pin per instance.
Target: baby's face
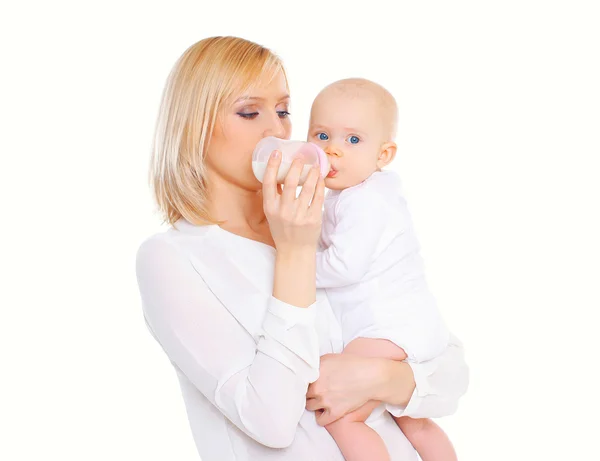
(349, 129)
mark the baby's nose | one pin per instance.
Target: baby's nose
(331, 150)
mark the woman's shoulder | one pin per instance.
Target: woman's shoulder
(179, 254)
(180, 238)
(155, 249)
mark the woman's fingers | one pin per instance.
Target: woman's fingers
(308, 190)
(326, 417)
(269, 188)
(316, 207)
(313, 405)
(290, 184)
(288, 216)
(323, 414)
(310, 393)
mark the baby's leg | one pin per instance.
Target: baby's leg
(428, 438)
(357, 441)
(382, 348)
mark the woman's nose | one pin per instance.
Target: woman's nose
(275, 127)
(334, 151)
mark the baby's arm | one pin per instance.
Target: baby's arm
(360, 221)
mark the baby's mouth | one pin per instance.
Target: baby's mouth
(332, 173)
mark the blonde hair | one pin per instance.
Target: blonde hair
(207, 75)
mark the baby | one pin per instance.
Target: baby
(369, 259)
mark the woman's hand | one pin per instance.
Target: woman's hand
(295, 223)
(344, 385)
(348, 381)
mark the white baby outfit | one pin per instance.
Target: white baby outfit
(370, 266)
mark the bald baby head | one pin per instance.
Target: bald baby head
(379, 101)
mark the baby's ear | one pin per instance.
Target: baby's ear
(386, 154)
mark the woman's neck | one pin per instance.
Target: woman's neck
(240, 210)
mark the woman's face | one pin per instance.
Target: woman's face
(242, 124)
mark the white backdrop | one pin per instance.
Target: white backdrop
(499, 149)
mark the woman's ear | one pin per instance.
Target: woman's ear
(386, 154)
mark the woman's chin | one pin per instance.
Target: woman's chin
(254, 186)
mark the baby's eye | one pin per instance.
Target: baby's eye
(353, 139)
(322, 137)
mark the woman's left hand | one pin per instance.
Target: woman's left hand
(346, 382)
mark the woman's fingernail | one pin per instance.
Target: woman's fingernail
(275, 154)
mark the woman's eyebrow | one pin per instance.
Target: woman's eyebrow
(258, 98)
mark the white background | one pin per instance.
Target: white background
(499, 148)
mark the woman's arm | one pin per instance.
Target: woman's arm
(425, 390)
(260, 387)
(295, 225)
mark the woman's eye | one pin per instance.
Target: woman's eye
(322, 137)
(248, 115)
(283, 113)
(353, 139)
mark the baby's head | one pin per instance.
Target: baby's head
(354, 122)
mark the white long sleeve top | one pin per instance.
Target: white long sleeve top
(372, 269)
(244, 359)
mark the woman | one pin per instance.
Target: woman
(229, 291)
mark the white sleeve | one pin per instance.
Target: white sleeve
(360, 222)
(260, 387)
(440, 383)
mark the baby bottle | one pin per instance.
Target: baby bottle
(290, 150)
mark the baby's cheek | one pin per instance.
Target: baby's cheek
(362, 171)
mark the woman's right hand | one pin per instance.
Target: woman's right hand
(295, 222)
